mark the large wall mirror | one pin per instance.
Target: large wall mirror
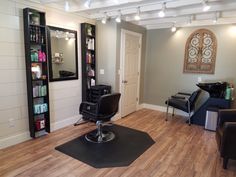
(62, 54)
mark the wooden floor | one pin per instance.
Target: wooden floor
(180, 150)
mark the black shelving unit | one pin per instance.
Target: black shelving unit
(36, 72)
(88, 50)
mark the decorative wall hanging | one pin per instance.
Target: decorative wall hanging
(200, 52)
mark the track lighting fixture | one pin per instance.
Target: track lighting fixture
(206, 6)
(118, 18)
(163, 9)
(137, 16)
(173, 28)
(104, 19)
(87, 4)
(190, 20)
(67, 6)
(215, 18)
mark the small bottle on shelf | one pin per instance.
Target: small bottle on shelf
(42, 39)
(33, 34)
(39, 35)
(36, 35)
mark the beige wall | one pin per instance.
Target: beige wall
(165, 56)
(65, 96)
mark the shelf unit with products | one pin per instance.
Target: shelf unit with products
(88, 50)
(36, 72)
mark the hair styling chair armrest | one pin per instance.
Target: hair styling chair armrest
(182, 93)
(178, 97)
(87, 106)
(226, 115)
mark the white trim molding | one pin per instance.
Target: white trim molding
(15, 139)
(116, 117)
(24, 136)
(64, 123)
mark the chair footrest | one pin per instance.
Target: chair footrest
(105, 136)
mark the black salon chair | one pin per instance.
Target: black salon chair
(183, 101)
(101, 112)
(226, 135)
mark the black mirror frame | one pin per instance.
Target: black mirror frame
(51, 79)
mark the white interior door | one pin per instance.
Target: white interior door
(130, 66)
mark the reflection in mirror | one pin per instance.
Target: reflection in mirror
(62, 53)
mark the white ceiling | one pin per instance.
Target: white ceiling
(178, 12)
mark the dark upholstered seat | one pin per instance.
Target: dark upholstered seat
(100, 112)
(226, 135)
(184, 102)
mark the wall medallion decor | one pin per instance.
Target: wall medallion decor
(200, 52)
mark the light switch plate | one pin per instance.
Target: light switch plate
(199, 79)
(101, 71)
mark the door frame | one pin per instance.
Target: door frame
(121, 70)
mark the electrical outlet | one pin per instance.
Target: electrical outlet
(11, 123)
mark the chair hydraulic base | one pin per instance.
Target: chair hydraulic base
(104, 136)
(100, 136)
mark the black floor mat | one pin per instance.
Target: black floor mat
(127, 146)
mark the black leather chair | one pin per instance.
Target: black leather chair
(100, 112)
(183, 101)
(226, 135)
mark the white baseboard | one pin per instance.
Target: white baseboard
(15, 139)
(21, 137)
(63, 123)
(116, 117)
(163, 109)
(140, 106)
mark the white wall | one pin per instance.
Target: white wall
(65, 96)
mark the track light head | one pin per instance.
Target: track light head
(67, 6)
(163, 9)
(87, 4)
(137, 16)
(173, 28)
(215, 18)
(206, 6)
(118, 18)
(104, 19)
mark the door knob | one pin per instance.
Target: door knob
(124, 81)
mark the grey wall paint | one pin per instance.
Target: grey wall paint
(106, 53)
(165, 56)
